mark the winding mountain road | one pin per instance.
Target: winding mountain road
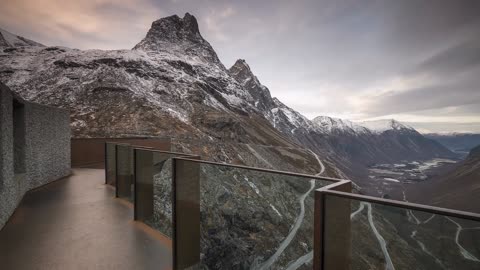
(360, 209)
(381, 241)
(322, 167)
(300, 261)
(467, 255)
(292, 233)
(260, 157)
(298, 222)
(424, 248)
(309, 256)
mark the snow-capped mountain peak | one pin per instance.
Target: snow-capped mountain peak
(331, 124)
(8, 39)
(242, 73)
(383, 125)
(241, 70)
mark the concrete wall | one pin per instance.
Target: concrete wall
(40, 149)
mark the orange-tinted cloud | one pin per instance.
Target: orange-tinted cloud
(99, 24)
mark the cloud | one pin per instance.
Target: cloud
(453, 60)
(446, 127)
(425, 98)
(449, 78)
(80, 24)
(215, 21)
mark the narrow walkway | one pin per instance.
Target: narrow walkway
(76, 223)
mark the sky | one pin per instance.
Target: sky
(417, 61)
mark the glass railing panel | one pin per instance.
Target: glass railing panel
(246, 219)
(110, 163)
(162, 194)
(392, 237)
(153, 189)
(124, 175)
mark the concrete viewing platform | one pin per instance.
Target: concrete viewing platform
(77, 223)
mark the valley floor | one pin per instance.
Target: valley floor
(390, 180)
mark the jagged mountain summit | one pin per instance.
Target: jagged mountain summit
(386, 124)
(171, 29)
(184, 33)
(331, 124)
(243, 74)
(8, 39)
(174, 82)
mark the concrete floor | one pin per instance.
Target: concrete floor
(76, 223)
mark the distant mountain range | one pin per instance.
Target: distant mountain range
(460, 143)
(173, 84)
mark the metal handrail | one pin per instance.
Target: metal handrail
(330, 190)
(135, 147)
(335, 180)
(407, 205)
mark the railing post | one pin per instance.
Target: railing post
(143, 181)
(186, 213)
(318, 230)
(332, 234)
(124, 171)
(105, 161)
(110, 163)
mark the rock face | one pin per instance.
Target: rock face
(244, 76)
(184, 33)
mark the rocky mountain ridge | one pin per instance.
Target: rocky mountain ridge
(383, 125)
(173, 84)
(185, 34)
